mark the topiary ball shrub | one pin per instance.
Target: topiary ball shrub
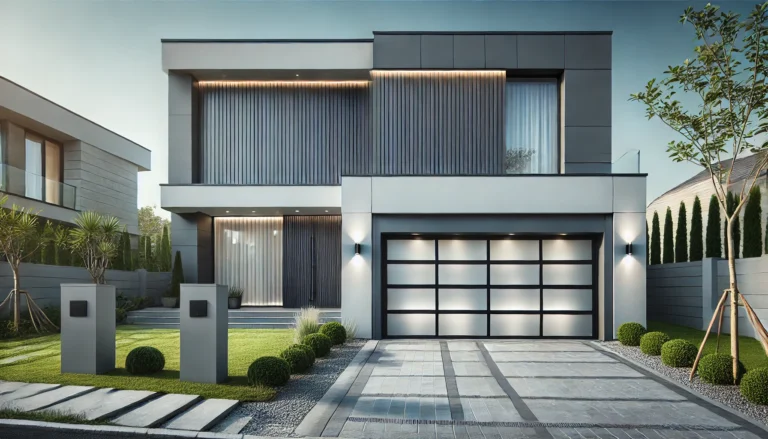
(320, 344)
(297, 359)
(335, 331)
(269, 371)
(678, 353)
(651, 343)
(144, 360)
(718, 369)
(307, 350)
(629, 333)
(754, 386)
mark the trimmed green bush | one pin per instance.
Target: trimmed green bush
(297, 359)
(718, 369)
(320, 344)
(269, 371)
(307, 350)
(144, 360)
(120, 315)
(678, 353)
(754, 386)
(629, 333)
(651, 343)
(335, 331)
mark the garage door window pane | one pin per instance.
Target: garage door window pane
(458, 299)
(514, 250)
(451, 274)
(514, 274)
(462, 250)
(410, 274)
(411, 250)
(464, 324)
(515, 300)
(566, 250)
(568, 300)
(411, 324)
(568, 274)
(564, 325)
(410, 298)
(515, 325)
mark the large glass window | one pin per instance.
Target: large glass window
(52, 172)
(33, 176)
(42, 169)
(531, 127)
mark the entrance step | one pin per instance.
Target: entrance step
(204, 415)
(102, 403)
(157, 411)
(49, 398)
(276, 318)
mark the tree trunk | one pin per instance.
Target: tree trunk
(16, 298)
(734, 302)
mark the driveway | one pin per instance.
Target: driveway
(513, 389)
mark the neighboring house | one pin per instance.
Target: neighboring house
(59, 163)
(429, 184)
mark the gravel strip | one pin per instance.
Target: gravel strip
(283, 414)
(726, 395)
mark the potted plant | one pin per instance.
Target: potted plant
(168, 299)
(235, 297)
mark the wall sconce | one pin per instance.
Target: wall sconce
(629, 248)
(357, 248)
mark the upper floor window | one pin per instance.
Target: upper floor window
(42, 177)
(531, 134)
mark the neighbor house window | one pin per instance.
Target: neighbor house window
(42, 176)
(531, 133)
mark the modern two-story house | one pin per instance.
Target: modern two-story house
(430, 184)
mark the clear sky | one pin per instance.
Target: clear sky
(101, 58)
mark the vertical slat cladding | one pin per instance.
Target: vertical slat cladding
(298, 258)
(277, 132)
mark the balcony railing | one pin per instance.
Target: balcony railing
(26, 184)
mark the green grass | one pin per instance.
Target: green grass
(750, 351)
(245, 345)
(49, 416)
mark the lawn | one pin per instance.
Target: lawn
(245, 345)
(750, 351)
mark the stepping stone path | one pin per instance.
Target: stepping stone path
(204, 415)
(101, 403)
(157, 411)
(46, 399)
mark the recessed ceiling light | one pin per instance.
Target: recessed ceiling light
(253, 211)
(563, 234)
(511, 234)
(415, 234)
(227, 211)
(326, 211)
(297, 75)
(297, 210)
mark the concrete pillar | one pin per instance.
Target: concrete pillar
(204, 344)
(87, 328)
(709, 294)
(357, 270)
(629, 296)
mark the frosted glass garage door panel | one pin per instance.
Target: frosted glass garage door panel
(410, 298)
(576, 274)
(411, 324)
(463, 324)
(518, 325)
(567, 300)
(463, 299)
(515, 300)
(515, 274)
(566, 250)
(514, 250)
(457, 274)
(410, 250)
(462, 250)
(410, 274)
(565, 325)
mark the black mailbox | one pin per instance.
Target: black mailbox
(198, 308)
(78, 308)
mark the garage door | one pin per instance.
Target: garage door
(523, 287)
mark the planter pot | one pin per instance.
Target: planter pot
(169, 302)
(234, 302)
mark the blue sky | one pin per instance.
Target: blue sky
(101, 58)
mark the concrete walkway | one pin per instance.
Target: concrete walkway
(512, 389)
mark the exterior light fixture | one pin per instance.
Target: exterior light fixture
(629, 248)
(274, 233)
(357, 248)
(227, 211)
(253, 211)
(326, 211)
(297, 210)
(297, 75)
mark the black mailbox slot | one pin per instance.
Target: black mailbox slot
(78, 308)
(198, 308)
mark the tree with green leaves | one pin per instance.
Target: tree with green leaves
(668, 248)
(149, 223)
(681, 235)
(714, 245)
(177, 276)
(96, 239)
(753, 230)
(655, 240)
(127, 259)
(730, 207)
(148, 258)
(725, 90)
(697, 232)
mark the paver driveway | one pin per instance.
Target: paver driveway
(517, 389)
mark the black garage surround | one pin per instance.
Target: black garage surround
(542, 261)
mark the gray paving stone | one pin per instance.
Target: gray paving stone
(537, 346)
(157, 411)
(517, 433)
(233, 426)
(398, 346)
(466, 356)
(574, 370)
(24, 391)
(472, 386)
(203, 415)
(462, 346)
(593, 389)
(49, 398)
(385, 355)
(471, 368)
(408, 368)
(410, 385)
(489, 410)
(102, 403)
(10, 386)
(555, 357)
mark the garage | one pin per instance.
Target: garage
(481, 286)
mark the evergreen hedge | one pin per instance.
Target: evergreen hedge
(668, 248)
(714, 244)
(697, 230)
(681, 236)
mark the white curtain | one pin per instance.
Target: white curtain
(33, 177)
(248, 254)
(531, 128)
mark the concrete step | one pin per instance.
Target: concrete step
(22, 390)
(204, 415)
(48, 398)
(157, 411)
(232, 425)
(102, 403)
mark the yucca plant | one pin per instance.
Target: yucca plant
(307, 322)
(96, 239)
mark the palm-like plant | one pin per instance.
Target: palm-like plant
(96, 239)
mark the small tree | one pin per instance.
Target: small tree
(697, 230)
(681, 236)
(668, 248)
(714, 245)
(731, 202)
(647, 243)
(127, 258)
(655, 240)
(148, 259)
(753, 231)
(177, 276)
(166, 249)
(60, 238)
(96, 239)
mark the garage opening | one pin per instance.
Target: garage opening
(489, 286)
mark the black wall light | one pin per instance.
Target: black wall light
(357, 248)
(629, 248)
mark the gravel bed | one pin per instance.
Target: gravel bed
(283, 414)
(726, 395)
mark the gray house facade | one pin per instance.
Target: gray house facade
(428, 184)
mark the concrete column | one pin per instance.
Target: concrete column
(709, 294)
(180, 109)
(193, 237)
(629, 299)
(87, 341)
(204, 344)
(357, 270)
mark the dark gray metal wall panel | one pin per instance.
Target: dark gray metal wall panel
(299, 254)
(587, 168)
(588, 98)
(540, 51)
(469, 51)
(587, 51)
(397, 51)
(438, 123)
(437, 51)
(283, 133)
(204, 248)
(501, 51)
(588, 144)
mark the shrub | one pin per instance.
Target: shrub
(297, 359)
(307, 350)
(320, 344)
(54, 314)
(629, 333)
(351, 328)
(652, 342)
(307, 322)
(754, 386)
(718, 369)
(120, 315)
(144, 360)
(678, 353)
(269, 371)
(335, 331)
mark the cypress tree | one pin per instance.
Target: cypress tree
(766, 236)
(165, 248)
(681, 236)
(753, 233)
(647, 244)
(655, 240)
(148, 253)
(697, 230)
(177, 276)
(714, 245)
(668, 247)
(126, 251)
(731, 201)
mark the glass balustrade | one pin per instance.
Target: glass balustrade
(26, 184)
